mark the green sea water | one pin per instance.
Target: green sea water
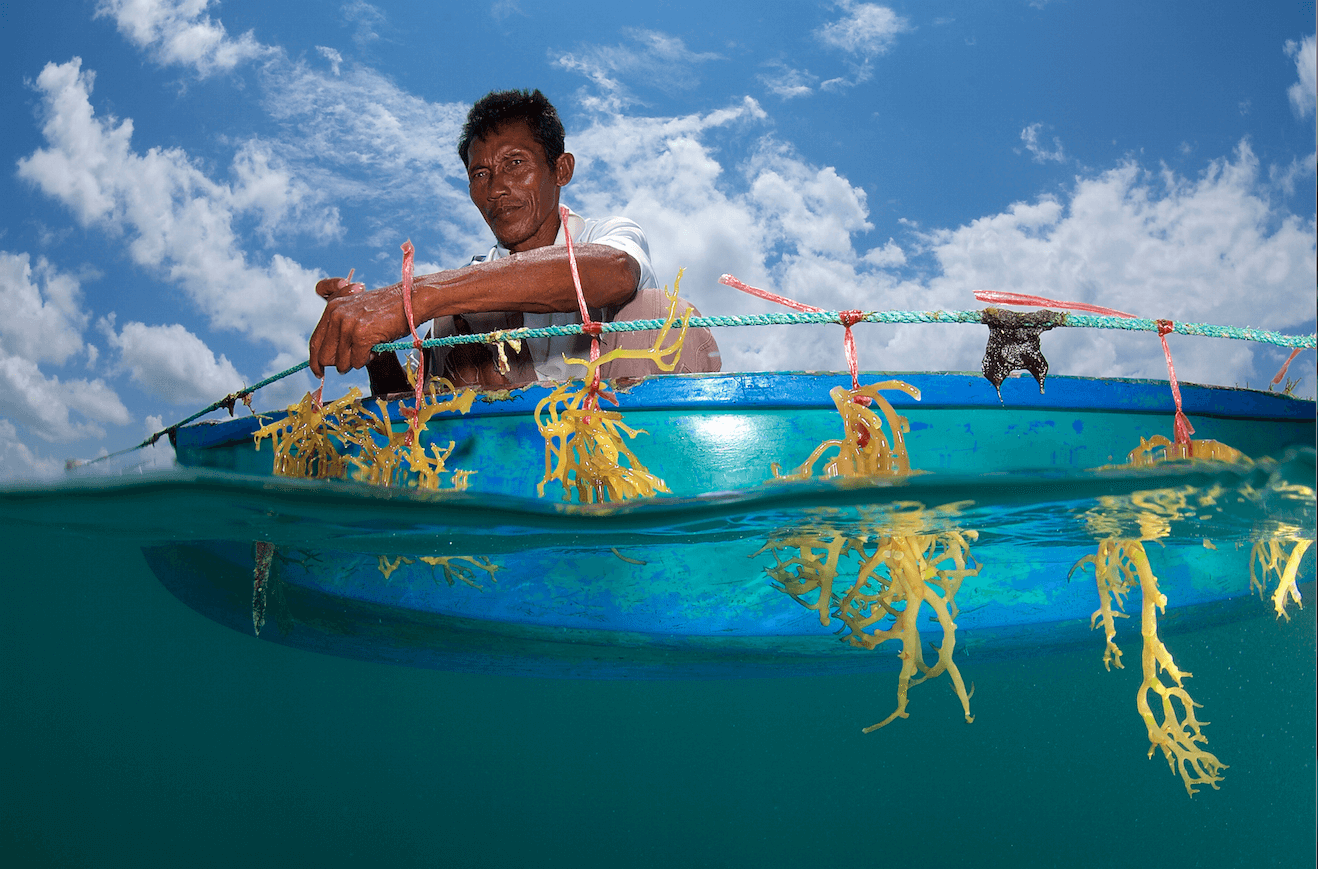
(137, 732)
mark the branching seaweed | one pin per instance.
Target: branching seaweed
(1118, 566)
(863, 450)
(585, 449)
(459, 567)
(898, 572)
(899, 575)
(1121, 564)
(306, 441)
(462, 568)
(1271, 557)
(900, 568)
(345, 436)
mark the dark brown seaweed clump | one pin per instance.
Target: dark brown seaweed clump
(1013, 343)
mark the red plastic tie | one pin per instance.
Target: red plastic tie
(412, 416)
(1181, 427)
(1040, 302)
(846, 318)
(588, 326)
(849, 319)
(730, 281)
(862, 433)
(1285, 365)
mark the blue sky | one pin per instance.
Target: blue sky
(180, 172)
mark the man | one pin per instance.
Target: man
(513, 148)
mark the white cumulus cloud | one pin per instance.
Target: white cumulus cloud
(19, 462)
(43, 312)
(173, 364)
(1155, 244)
(43, 323)
(775, 219)
(1302, 93)
(179, 32)
(178, 221)
(1212, 248)
(44, 405)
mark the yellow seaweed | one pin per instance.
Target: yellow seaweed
(585, 449)
(388, 567)
(1119, 565)
(346, 436)
(913, 577)
(462, 567)
(1271, 557)
(899, 571)
(1159, 449)
(459, 567)
(304, 440)
(863, 450)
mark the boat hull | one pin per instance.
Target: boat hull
(498, 579)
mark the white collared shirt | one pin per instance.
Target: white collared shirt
(548, 354)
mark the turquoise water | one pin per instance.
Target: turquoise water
(140, 733)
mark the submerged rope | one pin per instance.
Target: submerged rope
(841, 318)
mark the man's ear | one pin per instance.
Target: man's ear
(564, 168)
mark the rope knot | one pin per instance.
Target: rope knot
(1166, 327)
(850, 318)
(591, 327)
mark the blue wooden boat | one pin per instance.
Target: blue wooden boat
(496, 578)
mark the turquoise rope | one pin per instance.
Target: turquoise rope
(1084, 321)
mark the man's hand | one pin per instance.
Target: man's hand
(354, 321)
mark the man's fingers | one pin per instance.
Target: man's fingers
(313, 349)
(343, 360)
(325, 289)
(335, 288)
(324, 341)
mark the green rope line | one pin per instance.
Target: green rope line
(1085, 321)
(1068, 319)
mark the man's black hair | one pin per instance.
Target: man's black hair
(498, 108)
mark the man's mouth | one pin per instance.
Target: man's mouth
(502, 211)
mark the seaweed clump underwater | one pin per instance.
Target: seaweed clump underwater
(1121, 564)
(900, 566)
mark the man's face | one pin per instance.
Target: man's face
(514, 187)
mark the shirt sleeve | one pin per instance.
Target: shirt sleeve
(624, 235)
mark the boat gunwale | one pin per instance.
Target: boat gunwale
(763, 391)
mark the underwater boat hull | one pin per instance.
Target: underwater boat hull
(498, 579)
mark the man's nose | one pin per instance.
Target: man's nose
(498, 187)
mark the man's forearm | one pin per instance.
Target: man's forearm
(537, 281)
